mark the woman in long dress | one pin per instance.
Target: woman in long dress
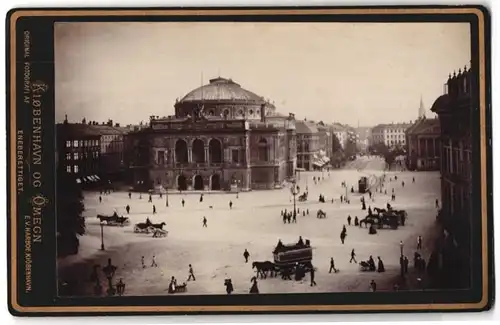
(381, 267)
(254, 288)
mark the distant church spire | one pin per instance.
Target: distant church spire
(421, 109)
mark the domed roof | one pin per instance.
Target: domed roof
(441, 103)
(223, 90)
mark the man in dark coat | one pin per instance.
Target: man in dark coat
(313, 283)
(353, 257)
(127, 208)
(349, 220)
(246, 255)
(356, 221)
(229, 286)
(332, 266)
(183, 202)
(406, 262)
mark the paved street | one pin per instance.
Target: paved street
(254, 223)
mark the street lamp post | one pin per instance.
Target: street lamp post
(166, 195)
(102, 234)
(293, 190)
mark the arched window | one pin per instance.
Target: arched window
(263, 150)
(215, 151)
(181, 151)
(198, 151)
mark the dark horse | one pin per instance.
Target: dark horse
(158, 225)
(263, 268)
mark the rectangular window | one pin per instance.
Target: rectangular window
(68, 169)
(86, 143)
(75, 143)
(68, 144)
(75, 155)
(81, 143)
(75, 168)
(68, 156)
(161, 157)
(235, 155)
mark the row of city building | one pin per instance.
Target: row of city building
(222, 137)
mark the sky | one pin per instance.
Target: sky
(354, 73)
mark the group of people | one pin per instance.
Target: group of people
(289, 216)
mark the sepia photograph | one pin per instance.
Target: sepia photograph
(236, 158)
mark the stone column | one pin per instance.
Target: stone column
(207, 160)
(190, 154)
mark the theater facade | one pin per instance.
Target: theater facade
(222, 137)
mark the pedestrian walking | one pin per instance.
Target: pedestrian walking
(419, 242)
(313, 283)
(201, 198)
(341, 199)
(246, 255)
(161, 195)
(356, 221)
(406, 263)
(353, 257)
(403, 183)
(183, 202)
(413, 180)
(153, 262)
(191, 273)
(142, 262)
(332, 266)
(100, 199)
(284, 218)
(373, 286)
(254, 288)
(349, 220)
(343, 235)
(437, 204)
(229, 286)
(150, 199)
(294, 218)
(154, 209)
(381, 267)
(127, 208)
(129, 195)
(230, 204)
(204, 222)
(308, 211)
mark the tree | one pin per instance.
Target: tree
(351, 147)
(336, 146)
(70, 223)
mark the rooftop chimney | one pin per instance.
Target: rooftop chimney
(263, 112)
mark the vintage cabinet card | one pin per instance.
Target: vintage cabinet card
(249, 160)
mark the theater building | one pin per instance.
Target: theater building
(222, 137)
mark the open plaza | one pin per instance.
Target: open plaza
(255, 223)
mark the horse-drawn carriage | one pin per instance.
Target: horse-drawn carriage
(288, 260)
(380, 221)
(149, 227)
(285, 255)
(114, 220)
(303, 197)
